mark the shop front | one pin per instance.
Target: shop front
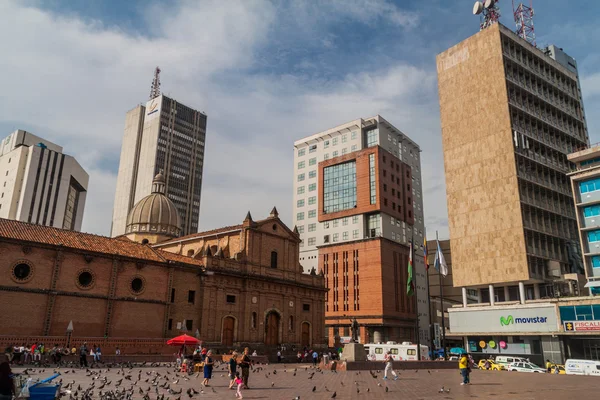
(527, 331)
(581, 324)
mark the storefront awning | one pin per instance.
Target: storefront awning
(592, 284)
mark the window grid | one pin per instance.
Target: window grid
(339, 187)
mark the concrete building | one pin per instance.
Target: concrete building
(357, 205)
(510, 114)
(162, 136)
(585, 180)
(40, 184)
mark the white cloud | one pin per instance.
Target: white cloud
(78, 78)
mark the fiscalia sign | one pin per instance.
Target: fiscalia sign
(580, 326)
(505, 321)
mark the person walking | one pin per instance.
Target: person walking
(232, 366)
(7, 383)
(278, 356)
(548, 366)
(389, 366)
(463, 366)
(245, 365)
(315, 357)
(83, 351)
(208, 367)
(239, 382)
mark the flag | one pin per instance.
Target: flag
(410, 285)
(425, 252)
(440, 262)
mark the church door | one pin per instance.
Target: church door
(227, 338)
(305, 334)
(272, 330)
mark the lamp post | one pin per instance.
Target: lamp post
(69, 334)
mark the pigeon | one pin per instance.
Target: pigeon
(314, 388)
(448, 390)
(368, 390)
(441, 390)
(334, 395)
(357, 390)
(272, 384)
(387, 389)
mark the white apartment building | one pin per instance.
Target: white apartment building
(340, 141)
(40, 184)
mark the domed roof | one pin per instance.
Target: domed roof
(155, 213)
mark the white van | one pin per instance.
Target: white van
(506, 360)
(400, 352)
(582, 367)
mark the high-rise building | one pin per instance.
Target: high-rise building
(357, 205)
(40, 184)
(510, 114)
(167, 137)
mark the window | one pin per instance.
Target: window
(192, 296)
(589, 186)
(230, 299)
(378, 350)
(312, 174)
(335, 154)
(21, 272)
(593, 236)
(137, 285)
(374, 225)
(384, 201)
(372, 187)
(253, 320)
(393, 235)
(300, 190)
(336, 223)
(372, 137)
(273, 259)
(596, 261)
(339, 187)
(326, 156)
(291, 323)
(334, 142)
(326, 239)
(312, 187)
(345, 221)
(312, 213)
(188, 324)
(301, 229)
(300, 216)
(384, 173)
(353, 135)
(336, 237)
(312, 148)
(305, 307)
(301, 165)
(411, 352)
(312, 161)
(344, 138)
(345, 236)
(326, 144)
(344, 151)
(355, 219)
(85, 279)
(300, 177)
(312, 200)
(353, 147)
(170, 323)
(393, 192)
(301, 152)
(591, 211)
(355, 234)
(312, 227)
(393, 206)
(326, 225)
(385, 187)
(312, 241)
(172, 295)
(300, 203)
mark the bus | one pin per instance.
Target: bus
(406, 351)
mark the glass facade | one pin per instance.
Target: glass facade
(593, 236)
(591, 211)
(339, 187)
(372, 183)
(372, 137)
(589, 186)
(374, 225)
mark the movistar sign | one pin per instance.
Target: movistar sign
(504, 321)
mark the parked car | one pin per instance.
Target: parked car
(525, 367)
(561, 369)
(505, 360)
(493, 365)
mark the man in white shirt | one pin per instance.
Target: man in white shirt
(389, 366)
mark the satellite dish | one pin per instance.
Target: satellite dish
(489, 3)
(477, 8)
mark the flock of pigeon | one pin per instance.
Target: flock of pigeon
(136, 382)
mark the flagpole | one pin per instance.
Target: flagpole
(442, 302)
(429, 305)
(416, 297)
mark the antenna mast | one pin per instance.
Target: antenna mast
(155, 88)
(489, 11)
(524, 21)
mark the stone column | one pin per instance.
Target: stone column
(506, 294)
(464, 296)
(536, 291)
(492, 297)
(377, 335)
(479, 300)
(522, 292)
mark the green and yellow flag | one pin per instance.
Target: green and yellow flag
(410, 285)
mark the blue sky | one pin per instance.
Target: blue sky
(265, 72)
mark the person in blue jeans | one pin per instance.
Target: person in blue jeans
(463, 366)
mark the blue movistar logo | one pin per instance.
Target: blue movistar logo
(530, 320)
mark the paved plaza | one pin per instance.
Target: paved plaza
(289, 381)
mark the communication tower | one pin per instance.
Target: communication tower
(155, 88)
(524, 21)
(489, 12)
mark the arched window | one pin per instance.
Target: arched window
(291, 323)
(273, 259)
(190, 253)
(253, 321)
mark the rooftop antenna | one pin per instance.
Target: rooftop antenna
(155, 88)
(489, 13)
(524, 21)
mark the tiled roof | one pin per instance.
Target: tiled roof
(120, 246)
(206, 233)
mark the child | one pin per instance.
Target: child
(239, 382)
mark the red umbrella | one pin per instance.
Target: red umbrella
(182, 340)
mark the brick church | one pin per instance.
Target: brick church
(233, 286)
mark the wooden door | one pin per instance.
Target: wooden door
(228, 325)
(305, 334)
(272, 333)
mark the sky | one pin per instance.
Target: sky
(266, 73)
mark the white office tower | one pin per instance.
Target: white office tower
(39, 184)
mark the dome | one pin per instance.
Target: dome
(155, 213)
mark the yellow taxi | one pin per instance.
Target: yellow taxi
(561, 369)
(492, 365)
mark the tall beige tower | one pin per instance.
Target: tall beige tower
(510, 114)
